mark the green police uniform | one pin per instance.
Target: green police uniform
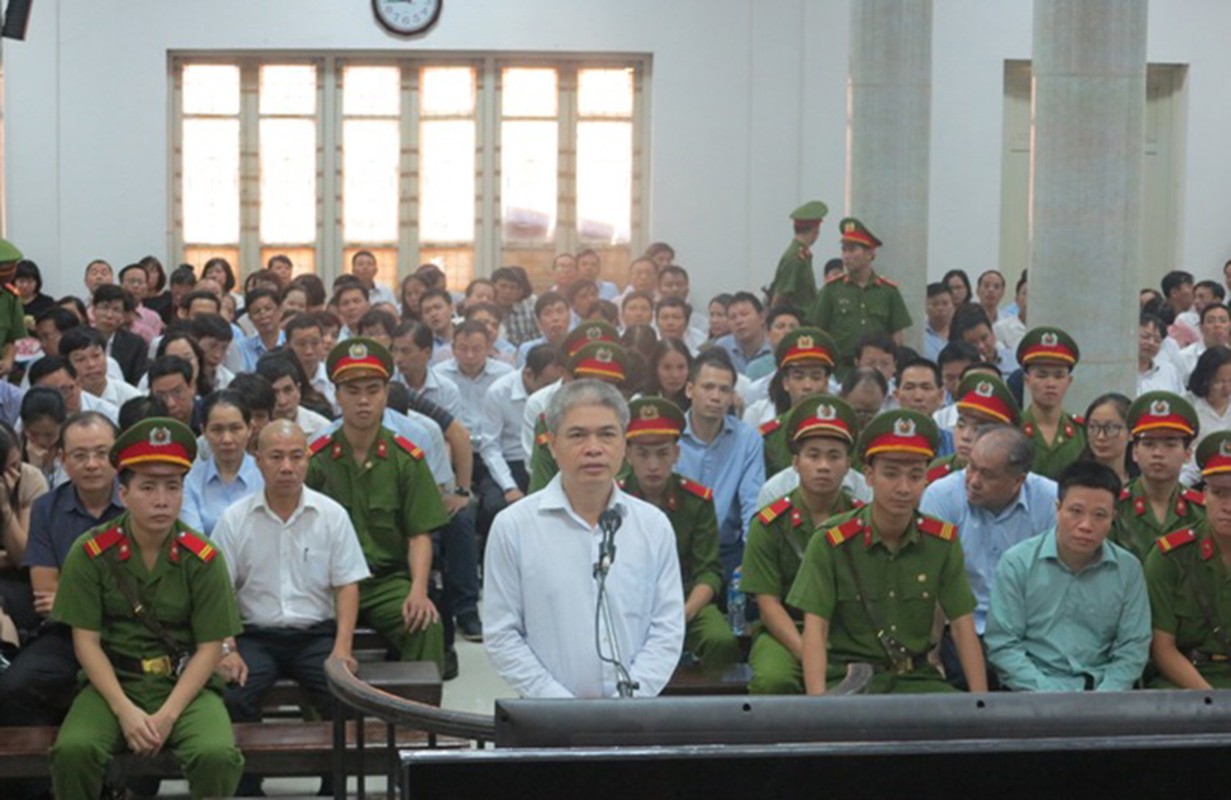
(1052, 346)
(596, 356)
(777, 538)
(774, 445)
(1136, 528)
(1180, 565)
(1050, 458)
(945, 466)
(802, 347)
(690, 507)
(903, 587)
(849, 311)
(986, 399)
(391, 497)
(794, 280)
(12, 311)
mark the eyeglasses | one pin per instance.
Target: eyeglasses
(83, 457)
(1108, 429)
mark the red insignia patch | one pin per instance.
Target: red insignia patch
(770, 427)
(199, 547)
(409, 447)
(692, 487)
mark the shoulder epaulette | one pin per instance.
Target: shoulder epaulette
(885, 281)
(945, 531)
(1194, 497)
(774, 510)
(692, 487)
(1175, 539)
(837, 276)
(939, 471)
(95, 546)
(320, 444)
(12, 289)
(1079, 420)
(199, 547)
(1125, 493)
(409, 447)
(840, 533)
(857, 503)
(769, 427)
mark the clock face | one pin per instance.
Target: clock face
(407, 16)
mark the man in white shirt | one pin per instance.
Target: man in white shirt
(1215, 331)
(542, 590)
(1010, 328)
(472, 371)
(296, 563)
(411, 345)
(363, 266)
(305, 337)
(84, 348)
(60, 375)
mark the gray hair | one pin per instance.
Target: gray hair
(1016, 445)
(588, 392)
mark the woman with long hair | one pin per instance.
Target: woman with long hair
(1107, 436)
(670, 363)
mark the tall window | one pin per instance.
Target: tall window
(468, 164)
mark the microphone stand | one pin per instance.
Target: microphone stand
(609, 522)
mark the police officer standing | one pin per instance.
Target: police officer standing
(870, 585)
(394, 504)
(653, 435)
(794, 282)
(150, 604)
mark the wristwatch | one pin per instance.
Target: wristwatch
(227, 649)
(461, 492)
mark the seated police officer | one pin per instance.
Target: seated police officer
(149, 603)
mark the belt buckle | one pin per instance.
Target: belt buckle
(904, 666)
(156, 666)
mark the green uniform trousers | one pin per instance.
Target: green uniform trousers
(380, 607)
(1218, 674)
(202, 741)
(921, 680)
(774, 669)
(709, 638)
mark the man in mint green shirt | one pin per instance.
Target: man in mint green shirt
(1069, 609)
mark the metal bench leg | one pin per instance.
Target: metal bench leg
(339, 750)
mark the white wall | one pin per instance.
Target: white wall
(747, 116)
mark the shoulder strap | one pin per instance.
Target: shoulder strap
(124, 582)
(1206, 606)
(899, 655)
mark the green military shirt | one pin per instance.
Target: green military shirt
(1050, 458)
(390, 497)
(12, 317)
(1176, 563)
(903, 587)
(848, 312)
(1135, 527)
(690, 507)
(543, 466)
(795, 279)
(188, 590)
(777, 539)
(774, 444)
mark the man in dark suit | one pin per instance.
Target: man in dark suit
(109, 304)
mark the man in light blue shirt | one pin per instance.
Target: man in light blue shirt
(995, 503)
(1069, 609)
(747, 340)
(719, 451)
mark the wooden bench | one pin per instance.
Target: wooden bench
(691, 680)
(413, 680)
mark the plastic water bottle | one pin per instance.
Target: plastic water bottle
(737, 605)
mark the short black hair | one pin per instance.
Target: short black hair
(547, 300)
(211, 326)
(47, 365)
(443, 294)
(968, 317)
(746, 297)
(673, 269)
(139, 408)
(399, 397)
(784, 311)
(252, 295)
(1217, 289)
(1154, 321)
(957, 351)
(80, 338)
(301, 322)
(542, 356)
(674, 302)
(110, 292)
(1088, 475)
(938, 288)
(712, 357)
(878, 341)
(256, 391)
(42, 402)
(635, 295)
(471, 327)
(374, 317)
(1212, 307)
(130, 268)
(61, 317)
(201, 294)
(341, 287)
(183, 276)
(1174, 280)
(170, 365)
(918, 362)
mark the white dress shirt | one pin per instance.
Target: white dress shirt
(540, 597)
(473, 389)
(310, 422)
(440, 390)
(117, 392)
(321, 383)
(500, 428)
(284, 573)
(1161, 376)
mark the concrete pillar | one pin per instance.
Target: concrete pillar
(1089, 72)
(889, 98)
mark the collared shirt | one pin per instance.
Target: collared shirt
(1050, 629)
(540, 597)
(986, 536)
(284, 573)
(520, 324)
(1185, 362)
(741, 360)
(310, 422)
(1160, 376)
(321, 383)
(379, 293)
(473, 389)
(251, 349)
(1009, 331)
(500, 429)
(525, 347)
(91, 403)
(117, 392)
(933, 343)
(733, 465)
(1210, 421)
(440, 390)
(422, 432)
(56, 520)
(442, 348)
(206, 496)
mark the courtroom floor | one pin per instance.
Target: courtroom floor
(475, 689)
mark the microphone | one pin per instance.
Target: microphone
(608, 522)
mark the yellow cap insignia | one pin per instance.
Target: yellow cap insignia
(160, 437)
(1160, 408)
(1224, 447)
(904, 427)
(1049, 339)
(848, 227)
(984, 389)
(358, 350)
(594, 333)
(805, 342)
(826, 411)
(604, 356)
(649, 412)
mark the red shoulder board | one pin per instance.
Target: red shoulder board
(541, 440)
(770, 427)
(805, 252)
(837, 276)
(885, 281)
(1028, 429)
(409, 447)
(97, 545)
(774, 510)
(320, 444)
(692, 487)
(945, 531)
(1194, 497)
(1125, 494)
(837, 535)
(12, 289)
(939, 471)
(1175, 539)
(857, 503)
(201, 548)
(1079, 420)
